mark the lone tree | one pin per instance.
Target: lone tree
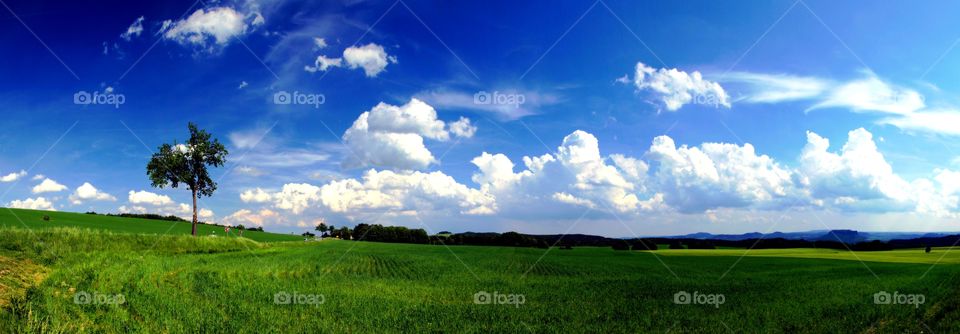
(186, 164)
(322, 227)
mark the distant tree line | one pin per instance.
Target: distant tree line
(509, 239)
(400, 234)
(332, 231)
(256, 229)
(514, 239)
(151, 216)
(634, 244)
(946, 241)
(380, 233)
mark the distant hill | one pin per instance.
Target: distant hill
(844, 236)
(815, 235)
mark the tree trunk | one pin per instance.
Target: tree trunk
(194, 232)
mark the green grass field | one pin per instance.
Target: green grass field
(181, 284)
(33, 219)
(939, 255)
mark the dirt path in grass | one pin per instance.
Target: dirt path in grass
(16, 276)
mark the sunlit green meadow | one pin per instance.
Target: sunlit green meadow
(939, 255)
(181, 284)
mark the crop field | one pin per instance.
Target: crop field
(939, 255)
(70, 280)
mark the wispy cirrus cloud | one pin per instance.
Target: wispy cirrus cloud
(929, 121)
(286, 158)
(903, 107)
(503, 104)
(872, 94)
(775, 88)
(868, 93)
(134, 30)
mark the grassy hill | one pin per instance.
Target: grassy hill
(180, 284)
(33, 219)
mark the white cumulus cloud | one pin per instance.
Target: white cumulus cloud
(709, 179)
(323, 63)
(255, 196)
(13, 176)
(372, 58)
(463, 128)
(218, 24)
(88, 192)
(296, 197)
(676, 88)
(857, 175)
(393, 136)
(38, 203)
(250, 218)
(713, 175)
(146, 197)
(48, 186)
(576, 174)
(404, 191)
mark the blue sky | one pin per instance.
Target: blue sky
(618, 118)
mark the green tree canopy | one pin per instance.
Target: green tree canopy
(175, 165)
